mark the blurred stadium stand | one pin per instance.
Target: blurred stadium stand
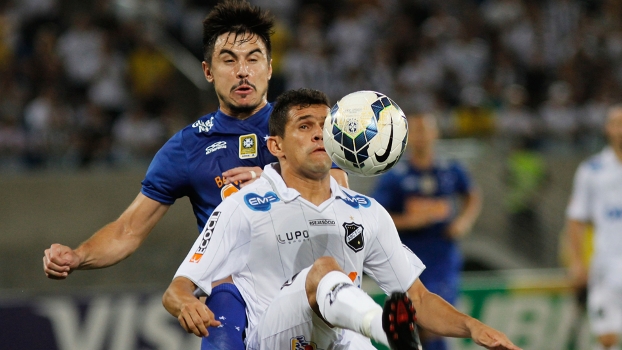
(89, 90)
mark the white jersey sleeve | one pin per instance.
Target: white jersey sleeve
(393, 266)
(221, 249)
(580, 205)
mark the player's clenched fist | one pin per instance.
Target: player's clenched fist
(59, 261)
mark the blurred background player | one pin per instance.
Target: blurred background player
(597, 199)
(206, 161)
(433, 203)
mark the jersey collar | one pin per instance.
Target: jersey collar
(287, 194)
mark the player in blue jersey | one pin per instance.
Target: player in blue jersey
(433, 203)
(206, 161)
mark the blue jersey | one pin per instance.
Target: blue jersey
(191, 163)
(440, 184)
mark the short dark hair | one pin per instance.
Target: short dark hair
(237, 17)
(302, 98)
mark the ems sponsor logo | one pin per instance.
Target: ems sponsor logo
(204, 126)
(321, 222)
(260, 203)
(215, 147)
(293, 237)
(354, 236)
(248, 146)
(356, 201)
(300, 343)
(206, 236)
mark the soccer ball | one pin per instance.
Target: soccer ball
(365, 133)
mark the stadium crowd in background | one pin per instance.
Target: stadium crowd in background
(85, 84)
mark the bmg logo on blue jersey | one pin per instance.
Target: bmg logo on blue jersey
(260, 203)
(356, 201)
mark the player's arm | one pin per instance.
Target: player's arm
(438, 316)
(193, 315)
(108, 246)
(575, 231)
(471, 207)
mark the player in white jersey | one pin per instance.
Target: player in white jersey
(597, 199)
(297, 244)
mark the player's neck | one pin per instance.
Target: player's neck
(618, 152)
(422, 160)
(314, 189)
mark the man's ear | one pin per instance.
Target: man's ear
(275, 146)
(207, 72)
(270, 69)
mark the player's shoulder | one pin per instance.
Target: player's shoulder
(597, 162)
(355, 199)
(203, 125)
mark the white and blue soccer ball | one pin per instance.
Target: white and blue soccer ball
(365, 133)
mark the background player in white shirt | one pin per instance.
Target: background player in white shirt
(296, 244)
(597, 199)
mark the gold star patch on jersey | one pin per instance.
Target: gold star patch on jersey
(248, 146)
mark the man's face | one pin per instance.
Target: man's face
(422, 133)
(240, 71)
(614, 128)
(303, 145)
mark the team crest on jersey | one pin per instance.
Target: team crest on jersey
(300, 343)
(356, 201)
(260, 203)
(206, 236)
(354, 236)
(248, 146)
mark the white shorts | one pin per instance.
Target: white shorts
(290, 323)
(604, 305)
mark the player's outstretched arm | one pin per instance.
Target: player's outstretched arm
(111, 244)
(471, 207)
(440, 317)
(193, 315)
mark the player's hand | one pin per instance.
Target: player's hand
(458, 228)
(195, 317)
(490, 338)
(244, 174)
(59, 261)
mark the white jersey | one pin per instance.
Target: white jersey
(267, 233)
(597, 198)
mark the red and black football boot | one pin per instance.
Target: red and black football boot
(398, 322)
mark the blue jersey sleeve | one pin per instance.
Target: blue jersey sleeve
(463, 180)
(388, 193)
(167, 176)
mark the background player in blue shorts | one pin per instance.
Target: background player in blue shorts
(206, 161)
(422, 194)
